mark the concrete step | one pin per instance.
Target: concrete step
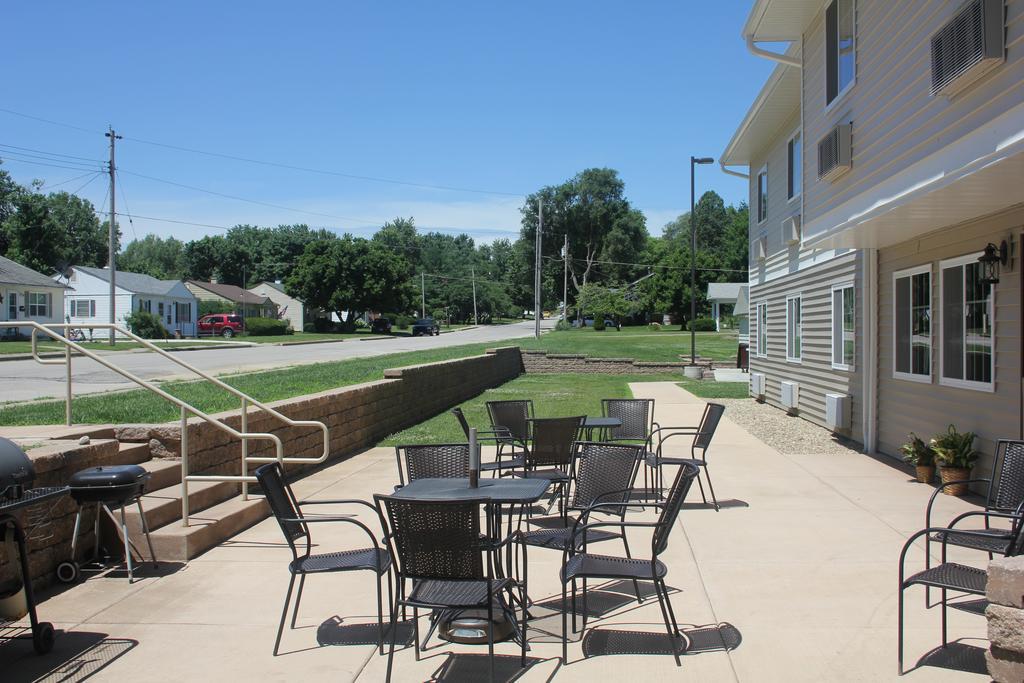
(176, 543)
(162, 473)
(133, 453)
(163, 506)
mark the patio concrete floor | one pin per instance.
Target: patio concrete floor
(796, 574)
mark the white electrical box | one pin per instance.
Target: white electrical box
(790, 394)
(757, 384)
(837, 411)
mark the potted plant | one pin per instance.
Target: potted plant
(954, 451)
(919, 454)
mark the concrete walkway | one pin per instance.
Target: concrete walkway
(796, 576)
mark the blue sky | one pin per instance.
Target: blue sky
(503, 97)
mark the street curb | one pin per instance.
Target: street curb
(75, 354)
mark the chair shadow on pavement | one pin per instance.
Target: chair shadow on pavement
(604, 599)
(471, 668)
(600, 641)
(957, 656)
(723, 504)
(335, 631)
(76, 656)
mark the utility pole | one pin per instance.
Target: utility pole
(423, 295)
(472, 272)
(112, 233)
(536, 269)
(565, 279)
(693, 261)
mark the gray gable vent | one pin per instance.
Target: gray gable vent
(967, 46)
(835, 155)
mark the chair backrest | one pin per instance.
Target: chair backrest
(1006, 491)
(708, 425)
(636, 414)
(513, 416)
(434, 539)
(461, 417)
(553, 438)
(282, 503)
(602, 469)
(432, 461)
(673, 504)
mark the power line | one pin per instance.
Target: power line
(87, 182)
(125, 200)
(17, 159)
(52, 154)
(53, 123)
(72, 179)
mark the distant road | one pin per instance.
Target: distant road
(25, 380)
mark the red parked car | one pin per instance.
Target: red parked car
(225, 324)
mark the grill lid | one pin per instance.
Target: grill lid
(16, 470)
(108, 476)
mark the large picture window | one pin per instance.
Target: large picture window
(38, 305)
(967, 337)
(843, 327)
(793, 329)
(912, 324)
(840, 48)
(762, 195)
(761, 348)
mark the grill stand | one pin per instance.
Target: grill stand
(69, 572)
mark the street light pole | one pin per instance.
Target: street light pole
(693, 261)
(536, 268)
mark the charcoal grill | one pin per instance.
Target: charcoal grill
(16, 494)
(115, 486)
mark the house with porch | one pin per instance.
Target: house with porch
(233, 298)
(723, 294)
(26, 294)
(288, 307)
(89, 300)
(885, 155)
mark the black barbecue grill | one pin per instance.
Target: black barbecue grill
(115, 486)
(16, 494)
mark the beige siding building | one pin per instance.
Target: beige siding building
(289, 308)
(884, 156)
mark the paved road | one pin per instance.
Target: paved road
(25, 380)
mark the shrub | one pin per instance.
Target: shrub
(563, 325)
(208, 307)
(403, 322)
(654, 327)
(361, 324)
(146, 325)
(599, 323)
(266, 327)
(701, 325)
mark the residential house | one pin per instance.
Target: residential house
(723, 294)
(289, 308)
(28, 295)
(89, 300)
(240, 300)
(885, 156)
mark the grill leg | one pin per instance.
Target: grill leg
(96, 534)
(127, 548)
(74, 534)
(145, 530)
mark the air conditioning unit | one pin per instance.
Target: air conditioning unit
(835, 152)
(790, 395)
(757, 384)
(837, 411)
(761, 248)
(791, 230)
(967, 46)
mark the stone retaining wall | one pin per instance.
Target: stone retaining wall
(1005, 614)
(543, 362)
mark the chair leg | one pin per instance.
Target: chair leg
(899, 631)
(380, 614)
(393, 627)
(585, 611)
(701, 485)
(574, 629)
(636, 584)
(945, 640)
(490, 633)
(565, 634)
(668, 603)
(298, 599)
(416, 631)
(668, 625)
(711, 488)
(284, 613)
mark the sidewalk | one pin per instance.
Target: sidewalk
(796, 575)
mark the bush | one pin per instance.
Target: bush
(403, 322)
(208, 307)
(599, 323)
(701, 325)
(146, 325)
(563, 325)
(266, 327)
(654, 327)
(361, 324)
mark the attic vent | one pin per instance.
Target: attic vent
(968, 46)
(835, 152)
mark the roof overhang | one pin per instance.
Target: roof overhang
(978, 175)
(780, 20)
(778, 100)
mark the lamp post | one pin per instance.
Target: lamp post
(693, 262)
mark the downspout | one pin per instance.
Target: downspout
(869, 266)
(774, 56)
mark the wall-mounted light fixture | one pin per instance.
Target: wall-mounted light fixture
(991, 259)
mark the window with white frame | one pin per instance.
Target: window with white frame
(761, 348)
(840, 48)
(795, 166)
(843, 327)
(793, 328)
(83, 308)
(912, 324)
(38, 304)
(12, 305)
(762, 195)
(967, 339)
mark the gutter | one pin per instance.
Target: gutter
(729, 171)
(768, 54)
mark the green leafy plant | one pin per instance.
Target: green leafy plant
(563, 326)
(917, 452)
(599, 323)
(654, 327)
(147, 325)
(702, 325)
(955, 449)
(266, 327)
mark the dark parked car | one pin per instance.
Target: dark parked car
(381, 326)
(224, 324)
(425, 326)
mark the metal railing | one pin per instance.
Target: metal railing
(243, 435)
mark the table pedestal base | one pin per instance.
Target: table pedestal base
(469, 627)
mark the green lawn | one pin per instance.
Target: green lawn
(638, 343)
(552, 395)
(710, 389)
(141, 406)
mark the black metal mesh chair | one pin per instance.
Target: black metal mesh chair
(550, 453)
(951, 576)
(580, 565)
(497, 436)
(432, 461)
(512, 417)
(438, 546)
(295, 526)
(702, 436)
(636, 415)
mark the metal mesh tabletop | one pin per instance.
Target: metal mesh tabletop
(501, 491)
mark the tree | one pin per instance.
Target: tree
(164, 259)
(202, 257)
(600, 301)
(51, 232)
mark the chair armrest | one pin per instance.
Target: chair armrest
(983, 513)
(926, 532)
(338, 501)
(333, 518)
(938, 490)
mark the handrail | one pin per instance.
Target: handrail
(244, 435)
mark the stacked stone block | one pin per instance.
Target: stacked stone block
(1005, 614)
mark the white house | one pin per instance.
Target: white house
(723, 293)
(289, 308)
(28, 295)
(89, 300)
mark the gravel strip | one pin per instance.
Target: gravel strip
(785, 433)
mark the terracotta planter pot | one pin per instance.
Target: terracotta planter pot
(954, 474)
(925, 473)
